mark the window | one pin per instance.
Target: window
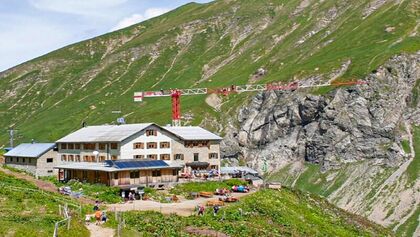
(101, 158)
(77, 158)
(89, 146)
(63, 158)
(49, 171)
(63, 145)
(213, 167)
(86, 158)
(115, 175)
(50, 160)
(179, 157)
(102, 146)
(70, 158)
(92, 159)
(151, 145)
(213, 156)
(70, 146)
(152, 156)
(195, 156)
(138, 156)
(113, 157)
(175, 172)
(33, 161)
(138, 145)
(134, 174)
(165, 156)
(151, 132)
(156, 173)
(77, 146)
(114, 146)
(165, 145)
(191, 144)
(23, 160)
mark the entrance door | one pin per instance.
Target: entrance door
(124, 178)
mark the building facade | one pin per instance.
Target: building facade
(183, 149)
(38, 159)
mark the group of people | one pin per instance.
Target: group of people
(100, 216)
(131, 196)
(201, 209)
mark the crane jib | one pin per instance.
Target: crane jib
(175, 94)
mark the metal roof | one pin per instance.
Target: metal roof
(109, 166)
(30, 150)
(192, 133)
(104, 133)
(118, 133)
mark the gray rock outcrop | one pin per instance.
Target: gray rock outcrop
(345, 125)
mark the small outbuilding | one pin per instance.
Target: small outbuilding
(38, 159)
(242, 172)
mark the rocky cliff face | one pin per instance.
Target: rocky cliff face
(361, 137)
(345, 125)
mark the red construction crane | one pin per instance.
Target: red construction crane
(175, 94)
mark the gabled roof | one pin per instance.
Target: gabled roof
(30, 150)
(118, 133)
(104, 133)
(192, 133)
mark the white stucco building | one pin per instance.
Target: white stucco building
(181, 149)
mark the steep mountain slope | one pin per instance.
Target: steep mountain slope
(215, 44)
(365, 139)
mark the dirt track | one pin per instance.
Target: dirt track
(183, 208)
(99, 231)
(41, 184)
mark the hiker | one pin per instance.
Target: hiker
(123, 196)
(201, 210)
(104, 218)
(98, 215)
(87, 219)
(215, 209)
(96, 207)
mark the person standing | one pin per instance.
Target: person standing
(201, 210)
(98, 215)
(215, 209)
(96, 207)
(103, 217)
(123, 196)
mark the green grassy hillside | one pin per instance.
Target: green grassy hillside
(201, 45)
(27, 211)
(265, 213)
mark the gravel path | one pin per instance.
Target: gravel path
(100, 231)
(41, 184)
(183, 208)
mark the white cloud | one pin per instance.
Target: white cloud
(80, 7)
(136, 18)
(153, 12)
